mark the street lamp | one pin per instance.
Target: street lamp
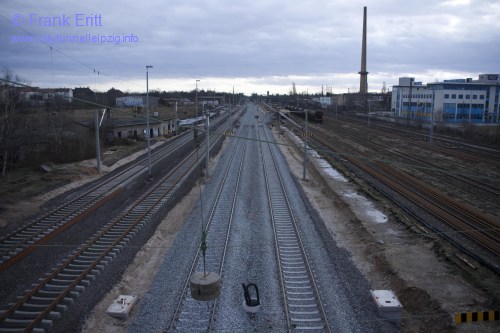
(431, 135)
(196, 101)
(148, 135)
(305, 150)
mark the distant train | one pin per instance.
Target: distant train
(312, 115)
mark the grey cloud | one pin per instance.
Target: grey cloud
(261, 39)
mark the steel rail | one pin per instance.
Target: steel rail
(303, 313)
(205, 314)
(489, 154)
(479, 227)
(432, 201)
(17, 245)
(476, 225)
(487, 187)
(70, 278)
(25, 240)
(85, 247)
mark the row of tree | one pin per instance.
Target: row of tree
(31, 136)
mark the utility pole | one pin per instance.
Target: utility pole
(368, 121)
(196, 99)
(336, 109)
(176, 119)
(97, 144)
(208, 143)
(305, 152)
(431, 134)
(147, 122)
(409, 102)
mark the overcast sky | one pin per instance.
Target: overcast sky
(253, 45)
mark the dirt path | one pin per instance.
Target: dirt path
(78, 174)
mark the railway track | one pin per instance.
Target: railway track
(480, 228)
(23, 241)
(484, 189)
(301, 297)
(38, 307)
(448, 144)
(191, 315)
(301, 300)
(17, 245)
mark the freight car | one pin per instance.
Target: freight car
(312, 115)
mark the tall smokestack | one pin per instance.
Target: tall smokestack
(363, 80)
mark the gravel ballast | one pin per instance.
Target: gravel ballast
(251, 258)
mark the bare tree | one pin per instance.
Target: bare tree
(56, 122)
(9, 104)
(438, 118)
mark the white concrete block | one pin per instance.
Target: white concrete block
(388, 305)
(121, 306)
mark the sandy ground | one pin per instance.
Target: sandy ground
(139, 275)
(80, 174)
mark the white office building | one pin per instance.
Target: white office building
(450, 101)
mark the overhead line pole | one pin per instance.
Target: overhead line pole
(305, 151)
(208, 144)
(148, 134)
(196, 99)
(176, 120)
(97, 143)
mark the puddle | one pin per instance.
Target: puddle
(363, 208)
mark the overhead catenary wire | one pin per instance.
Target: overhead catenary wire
(415, 235)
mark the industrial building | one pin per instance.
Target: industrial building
(35, 96)
(450, 101)
(136, 101)
(136, 128)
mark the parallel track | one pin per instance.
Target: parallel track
(36, 310)
(20, 243)
(482, 229)
(460, 149)
(17, 245)
(486, 187)
(483, 189)
(304, 308)
(191, 315)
